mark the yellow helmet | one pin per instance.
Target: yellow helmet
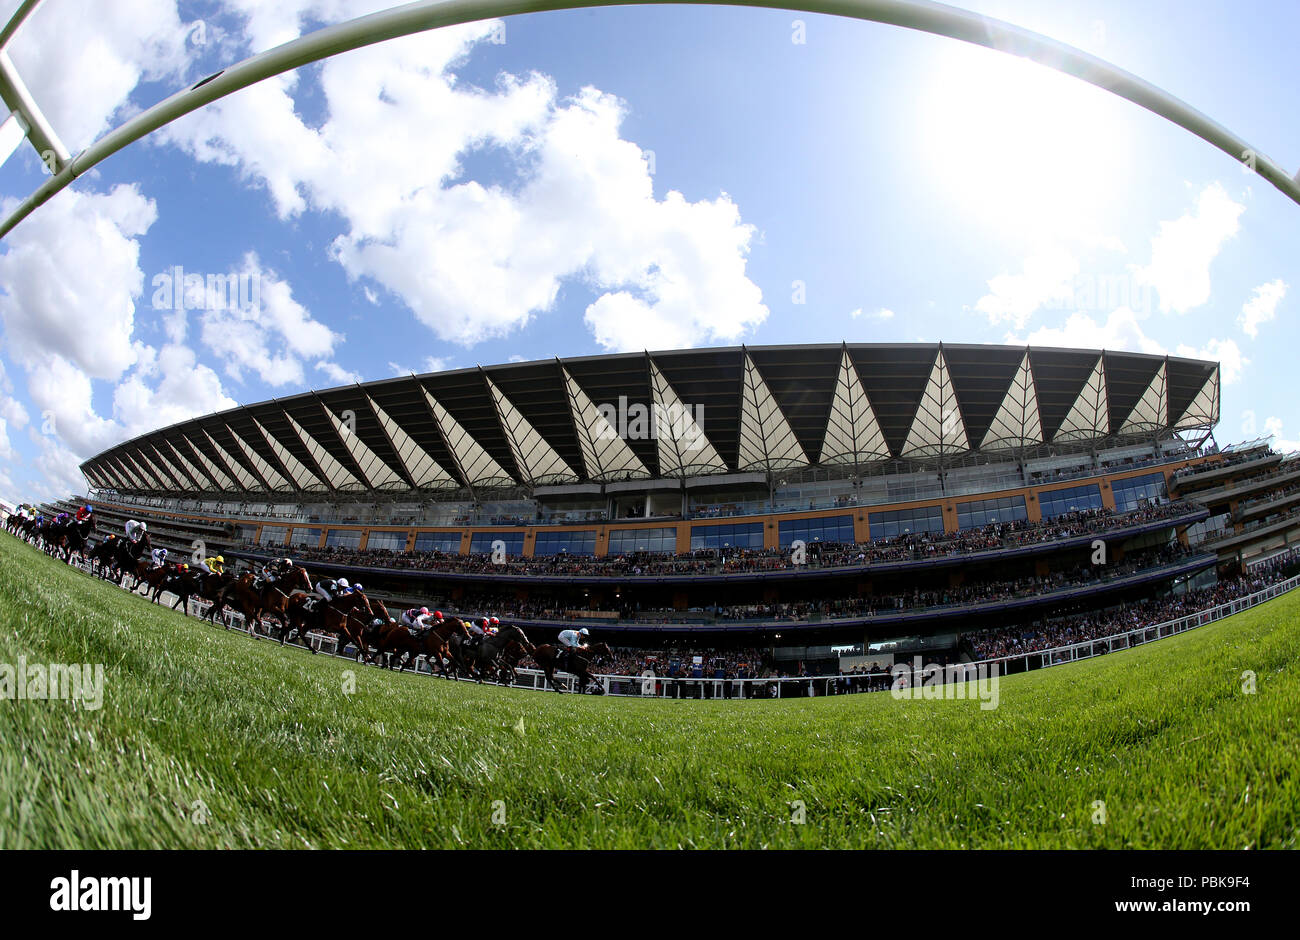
(220, 559)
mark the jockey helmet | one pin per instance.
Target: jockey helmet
(495, 622)
(377, 622)
(424, 611)
(437, 615)
(87, 508)
(584, 632)
(358, 588)
(343, 582)
(143, 527)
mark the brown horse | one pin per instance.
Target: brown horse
(549, 658)
(347, 617)
(509, 660)
(395, 641)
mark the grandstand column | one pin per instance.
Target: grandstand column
(1107, 495)
(771, 535)
(1033, 511)
(683, 538)
(950, 517)
(365, 540)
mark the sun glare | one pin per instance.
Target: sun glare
(1022, 145)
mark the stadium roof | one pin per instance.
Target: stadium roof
(676, 414)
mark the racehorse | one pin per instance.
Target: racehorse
(489, 649)
(393, 640)
(509, 660)
(255, 597)
(348, 617)
(549, 658)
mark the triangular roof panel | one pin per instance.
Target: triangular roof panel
(938, 429)
(853, 435)
(767, 441)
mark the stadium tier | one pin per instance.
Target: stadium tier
(794, 498)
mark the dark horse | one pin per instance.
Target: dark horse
(393, 640)
(549, 658)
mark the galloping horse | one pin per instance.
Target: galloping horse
(549, 658)
(395, 641)
(490, 648)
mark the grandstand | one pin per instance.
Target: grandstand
(830, 504)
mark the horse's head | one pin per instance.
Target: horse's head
(298, 578)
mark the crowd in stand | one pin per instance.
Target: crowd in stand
(992, 644)
(1094, 626)
(909, 547)
(834, 607)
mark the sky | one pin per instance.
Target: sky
(654, 177)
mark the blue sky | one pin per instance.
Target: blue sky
(580, 182)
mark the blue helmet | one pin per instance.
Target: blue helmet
(88, 508)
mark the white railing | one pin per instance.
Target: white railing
(651, 686)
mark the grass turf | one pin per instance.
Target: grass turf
(209, 739)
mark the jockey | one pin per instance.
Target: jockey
(215, 565)
(276, 569)
(61, 519)
(416, 620)
(159, 556)
(574, 640)
(136, 529)
(494, 626)
(328, 588)
(84, 512)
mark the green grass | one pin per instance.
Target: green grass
(209, 739)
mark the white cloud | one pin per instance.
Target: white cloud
(82, 63)
(76, 300)
(1262, 307)
(474, 262)
(1048, 276)
(1225, 351)
(1273, 426)
(338, 374)
(1182, 251)
(270, 336)
(1122, 331)
(884, 313)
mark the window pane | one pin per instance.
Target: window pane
(437, 542)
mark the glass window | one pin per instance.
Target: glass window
(827, 529)
(978, 512)
(481, 542)
(565, 543)
(438, 542)
(343, 538)
(894, 522)
(272, 535)
(1130, 493)
(393, 541)
(742, 535)
(305, 536)
(625, 541)
(1057, 502)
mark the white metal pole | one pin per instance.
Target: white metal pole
(424, 15)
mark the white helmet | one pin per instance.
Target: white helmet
(143, 527)
(343, 582)
(584, 632)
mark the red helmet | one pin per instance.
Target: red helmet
(437, 615)
(496, 622)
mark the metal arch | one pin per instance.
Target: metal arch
(424, 15)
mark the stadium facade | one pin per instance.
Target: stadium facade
(648, 492)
